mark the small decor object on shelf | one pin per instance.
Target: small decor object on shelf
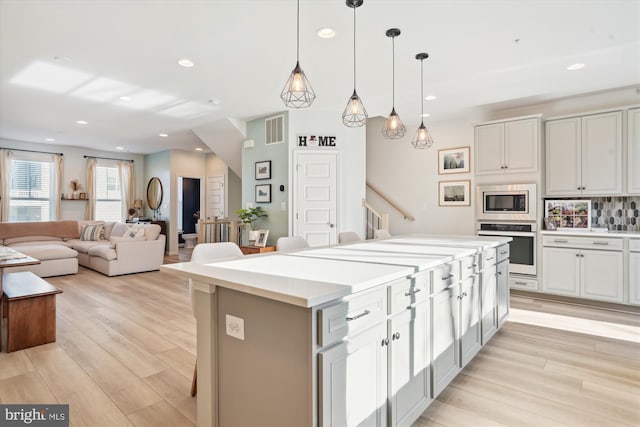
(262, 238)
(263, 170)
(453, 160)
(83, 196)
(454, 193)
(75, 186)
(251, 217)
(263, 193)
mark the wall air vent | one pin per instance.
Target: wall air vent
(274, 130)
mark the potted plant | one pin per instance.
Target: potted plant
(251, 217)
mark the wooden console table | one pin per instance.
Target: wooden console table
(30, 309)
(248, 250)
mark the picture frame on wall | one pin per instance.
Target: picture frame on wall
(454, 193)
(454, 160)
(263, 193)
(262, 238)
(263, 170)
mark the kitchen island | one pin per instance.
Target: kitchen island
(367, 333)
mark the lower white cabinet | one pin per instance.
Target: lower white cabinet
(409, 367)
(470, 330)
(634, 278)
(591, 274)
(502, 288)
(353, 380)
(489, 312)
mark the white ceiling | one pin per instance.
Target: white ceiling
(483, 54)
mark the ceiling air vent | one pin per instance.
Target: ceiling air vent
(274, 130)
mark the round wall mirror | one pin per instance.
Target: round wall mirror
(154, 193)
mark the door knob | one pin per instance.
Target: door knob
(332, 225)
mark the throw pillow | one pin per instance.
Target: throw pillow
(92, 232)
(134, 232)
(115, 240)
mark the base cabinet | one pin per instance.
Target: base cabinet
(502, 296)
(489, 311)
(634, 278)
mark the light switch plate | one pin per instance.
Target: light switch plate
(235, 327)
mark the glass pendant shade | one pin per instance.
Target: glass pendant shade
(297, 91)
(354, 114)
(422, 139)
(394, 128)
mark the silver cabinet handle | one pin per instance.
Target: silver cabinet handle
(601, 243)
(472, 266)
(489, 259)
(464, 294)
(448, 276)
(385, 342)
(504, 252)
(396, 336)
(499, 273)
(412, 292)
(520, 283)
(560, 241)
(357, 316)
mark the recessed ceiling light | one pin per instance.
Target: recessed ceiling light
(199, 149)
(125, 98)
(82, 122)
(430, 97)
(64, 59)
(426, 115)
(119, 148)
(187, 63)
(326, 33)
(574, 67)
(163, 135)
(50, 139)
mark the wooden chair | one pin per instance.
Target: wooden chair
(291, 243)
(382, 233)
(203, 254)
(348, 236)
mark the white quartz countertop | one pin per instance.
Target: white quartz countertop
(314, 276)
(479, 242)
(586, 233)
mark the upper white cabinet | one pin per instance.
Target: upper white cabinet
(584, 155)
(507, 147)
(633, 140)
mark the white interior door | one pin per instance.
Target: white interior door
(315, 198)
(215, 197)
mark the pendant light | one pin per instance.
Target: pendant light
(354, 114)
(297, 91)
(393, 128)
(422, 138)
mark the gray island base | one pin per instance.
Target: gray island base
(362, 334)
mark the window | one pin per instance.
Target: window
(31, 191)
(107, 194)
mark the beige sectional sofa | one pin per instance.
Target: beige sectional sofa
(63, 245)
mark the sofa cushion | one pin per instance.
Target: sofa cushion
(151, 231)
(134, 232)
(92, 232)
(26, 239)
(16, 246)
(84, 245)
(118, 229)
(108, 227)
(116, 239)
(48, 252)
(83, 223)
(103, 251)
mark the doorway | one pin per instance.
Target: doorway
(188, 206)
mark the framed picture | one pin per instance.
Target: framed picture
(83, 196)
(453, 160)
(568, 214)
(263, 193)
(454, 193)
(263, 170)
(262, 238)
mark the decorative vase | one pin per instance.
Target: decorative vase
(253, 236)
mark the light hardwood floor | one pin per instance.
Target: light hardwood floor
(126, 349)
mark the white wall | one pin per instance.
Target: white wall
(351, 144)
(410, 177)
(75, 168)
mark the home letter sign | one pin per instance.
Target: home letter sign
(316, 141)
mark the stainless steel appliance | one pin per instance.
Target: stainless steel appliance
(515, 202)
(522, 255)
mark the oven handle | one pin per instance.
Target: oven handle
(507, 233)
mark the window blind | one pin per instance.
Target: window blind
(30, 194)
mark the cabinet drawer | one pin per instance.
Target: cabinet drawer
(522, 283)
(634, 245)
(405, 292)
(503, 252)
(444, 276)
(602, 243)
(352, 314)
(469, 266)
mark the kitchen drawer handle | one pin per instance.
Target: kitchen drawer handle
(413, 292)
(489, 259)
(504, 253)
(357, 316)
(520, 283)
(560, 241)
(601, 243)
(448, 276)
(472, 266)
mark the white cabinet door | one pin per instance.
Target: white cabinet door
(409, 369)
(602, 153)
(563, 146)
(445, 362)
(489, 303)
(602, 275)
(489, 142)
(521, 146)
(634, 278)
(470, 332)
(353, 381)
(633, 144)
(502, 292)
(560, 271)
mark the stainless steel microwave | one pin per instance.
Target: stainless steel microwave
(506, 202)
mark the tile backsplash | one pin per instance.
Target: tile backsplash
(616, 213)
